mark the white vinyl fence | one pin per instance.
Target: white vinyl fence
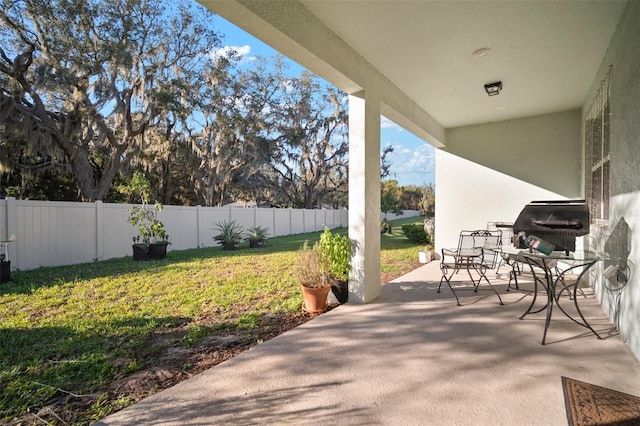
(52, 233)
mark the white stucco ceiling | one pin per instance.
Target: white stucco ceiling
(546, 53)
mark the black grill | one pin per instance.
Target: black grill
(558, 222)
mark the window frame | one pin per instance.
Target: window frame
(597, 137)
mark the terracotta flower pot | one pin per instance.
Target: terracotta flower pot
(315, 299)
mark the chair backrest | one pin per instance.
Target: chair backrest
(507, 231)
(489, 241)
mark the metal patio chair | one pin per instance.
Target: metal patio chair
(477, 252)
(507, 240)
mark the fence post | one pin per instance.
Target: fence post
(198, 219)
(99, 230)
(273, 221)
(290, 220)
(12, 229)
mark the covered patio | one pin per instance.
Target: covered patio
(564, 125)
(411, 357)
(402, 353)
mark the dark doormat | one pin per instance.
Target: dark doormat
(589, 404)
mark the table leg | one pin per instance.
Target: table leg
(551, 288)
(574, 294)
(536, 282)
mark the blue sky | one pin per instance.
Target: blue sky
(413, 160)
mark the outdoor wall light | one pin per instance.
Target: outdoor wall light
(493, 89)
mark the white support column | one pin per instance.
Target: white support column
(364, 197)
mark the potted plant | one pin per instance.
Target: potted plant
(5, 263)
(5, 269)
(427, 255)
(385, 227)
(230, 234)
(152, 239)
(312, 278)
(335, 251)
(257, 236)
(388, 204)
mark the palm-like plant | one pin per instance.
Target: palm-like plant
(230, 234)
(256, 235)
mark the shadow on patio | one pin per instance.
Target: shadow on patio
(411, 357)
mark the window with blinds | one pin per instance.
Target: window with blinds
(597, 155)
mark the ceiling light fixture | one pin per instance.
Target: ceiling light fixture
(493, 89)
(481, 53)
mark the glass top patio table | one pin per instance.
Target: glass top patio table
(547, 276)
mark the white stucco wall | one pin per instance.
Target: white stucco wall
(469, 195)
(621, 235)
(544, 150)
(488, 172)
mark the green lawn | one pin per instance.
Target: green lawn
(66, 333)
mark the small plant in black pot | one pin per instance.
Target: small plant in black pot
(229, 234)
(152, 239)
(335, 251)
(5, 269)
(5, 263)
(257, 236)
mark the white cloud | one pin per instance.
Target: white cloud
(242, 52)
(412, 166)
(385, 123)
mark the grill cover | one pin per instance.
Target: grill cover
(558, 222)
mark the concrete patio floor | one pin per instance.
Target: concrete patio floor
(410, 358)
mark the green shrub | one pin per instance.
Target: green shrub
(415, 233)
(335, 250)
